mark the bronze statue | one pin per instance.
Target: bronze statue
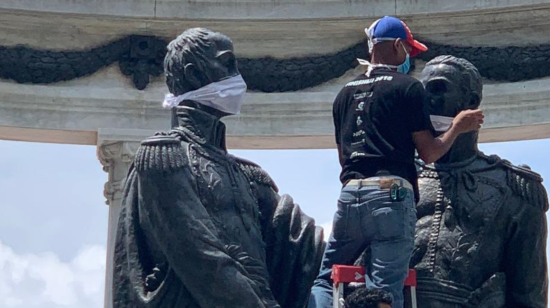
(481, 230)
(200, 227)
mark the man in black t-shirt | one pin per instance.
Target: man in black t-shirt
(380, 118)
(375, 118)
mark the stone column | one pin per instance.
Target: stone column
(116, 150)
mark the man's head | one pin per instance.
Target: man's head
(197, 58)
(390, 41)
(454, 84)
(364, 298)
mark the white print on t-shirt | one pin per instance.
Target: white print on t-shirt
(362, 95)
(369, 81)
(361, 106)
(358, 133)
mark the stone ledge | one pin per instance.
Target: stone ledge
(488, 135)
(48, 135)
(74, 112)
(515, 133)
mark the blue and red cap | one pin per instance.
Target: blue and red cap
(390, 28)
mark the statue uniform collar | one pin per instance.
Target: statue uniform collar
(199, 126)
(450, 173)
(449, 167)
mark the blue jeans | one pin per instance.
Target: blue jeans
(368, 218)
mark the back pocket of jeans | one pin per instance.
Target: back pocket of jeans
(390, 221)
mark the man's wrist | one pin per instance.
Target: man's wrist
(450, 136)
(453, 132)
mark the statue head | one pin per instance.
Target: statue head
(197, 58)
(454, 84)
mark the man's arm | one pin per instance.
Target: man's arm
(340, 154)
(339, 101)
(431, 148)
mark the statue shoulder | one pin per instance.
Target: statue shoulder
(163, 152)
(523, 182)
(255, 173)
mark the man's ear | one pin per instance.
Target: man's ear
(397, 45)
(193, 76)
(227, 59)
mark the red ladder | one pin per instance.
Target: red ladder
(342, 274)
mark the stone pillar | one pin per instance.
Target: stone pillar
(116, 150)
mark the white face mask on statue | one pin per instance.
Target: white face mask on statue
(441, 123)
(225, 95)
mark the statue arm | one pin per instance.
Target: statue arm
(184, 231)
(294, 248)
(525, 260)
(294, 245)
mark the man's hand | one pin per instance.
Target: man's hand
(431, 149)
(468, 120)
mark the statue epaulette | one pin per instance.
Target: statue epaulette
(528, 185)
(256, 173)
(161, 153)
(524, 183)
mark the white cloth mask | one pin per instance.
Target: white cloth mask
(224, 95)
(441, 123)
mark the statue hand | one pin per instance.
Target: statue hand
(152, 281)
(468, 120)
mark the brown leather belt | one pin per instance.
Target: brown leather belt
(382, 182)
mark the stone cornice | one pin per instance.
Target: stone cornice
(141, 58)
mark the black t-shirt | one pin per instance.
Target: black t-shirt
(374, 118)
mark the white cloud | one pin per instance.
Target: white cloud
(43, 281)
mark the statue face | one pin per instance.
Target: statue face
(197, 58)
(223, 64)
(444, 86)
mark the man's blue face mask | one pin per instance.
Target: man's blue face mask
(405, 66)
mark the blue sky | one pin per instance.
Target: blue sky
(53, 221)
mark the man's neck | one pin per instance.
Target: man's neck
(382, 59)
